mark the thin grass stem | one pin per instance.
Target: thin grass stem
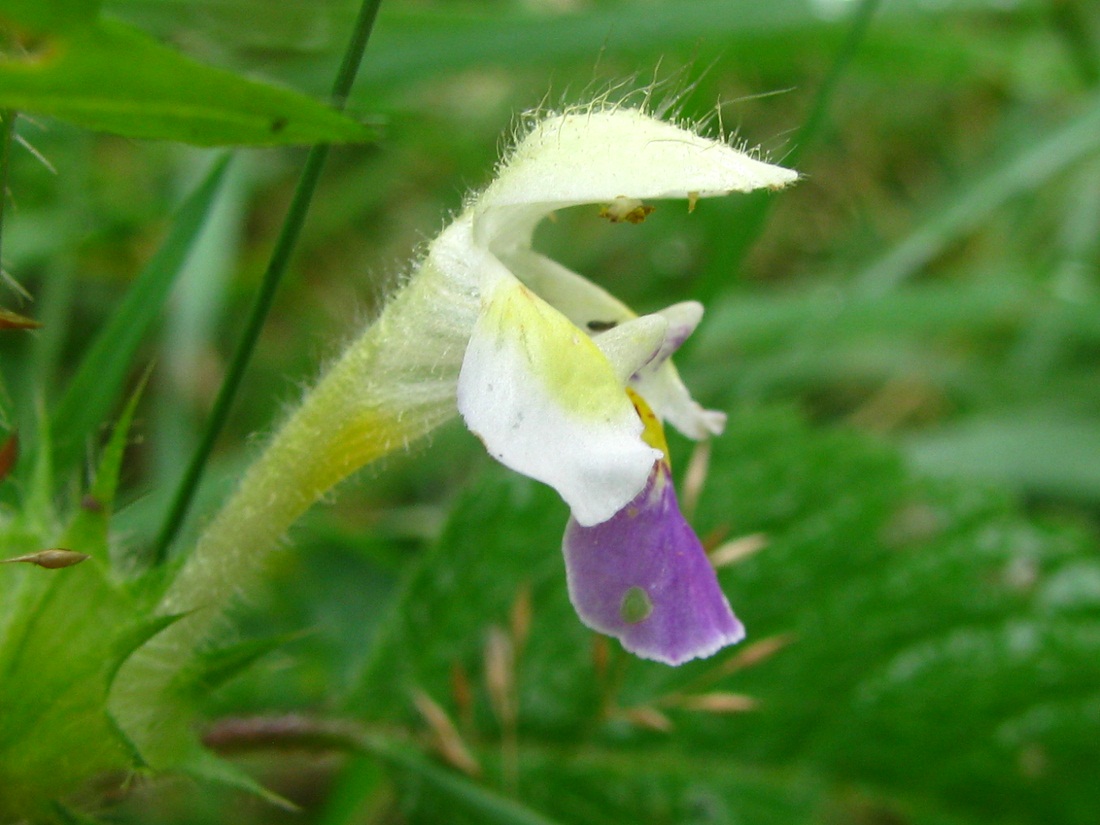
(280, 259)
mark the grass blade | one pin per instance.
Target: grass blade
(113, 78)
(280, 259)
(1028, 169)
(101, 374)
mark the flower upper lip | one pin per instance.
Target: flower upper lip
(543, 379)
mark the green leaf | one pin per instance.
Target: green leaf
(217, 666)
(56, 658)
(933, 654)
(458, 798)
(418, 42)
(1032, 165)
(113, 78)
(88, 530)
(129, 639)
(206, 766)
(1033, 451)
(99, 378)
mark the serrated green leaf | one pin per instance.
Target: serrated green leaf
(114, 78)
(130, 639)
(88, 530)
(936, 643)
(55, 658)
(98, 380)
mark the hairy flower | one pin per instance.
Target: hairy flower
(560, 380)
(564, 383)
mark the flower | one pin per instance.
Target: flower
(554, 375)
(565, 384)
(560, 380)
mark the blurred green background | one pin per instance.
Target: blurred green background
(907, 343)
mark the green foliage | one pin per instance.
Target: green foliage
(64, 635)
(919, 652)
(109, 358)
(55, 733)
(50, 15)
(938, 660)
(111, 77)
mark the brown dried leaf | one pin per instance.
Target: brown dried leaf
(601, 656)
(520, 618)
(52, 559)
(500, 674)
(757, 652)
(463, 694)
(447, 740)
(740, 548)
(694, 478)
(717, 703)
(647, 717)
(13, 320)
(9, 454)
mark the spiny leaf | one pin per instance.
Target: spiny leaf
(89, 527)
(206, 766)
(55, 733)
(130, 639)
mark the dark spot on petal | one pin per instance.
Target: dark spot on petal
(602, 326)
(635, 606)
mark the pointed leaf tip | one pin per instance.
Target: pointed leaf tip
(53, 559)
(13, 320)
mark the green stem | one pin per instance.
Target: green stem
(280, 259)
(391, 387)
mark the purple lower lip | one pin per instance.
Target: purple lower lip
(643, 577)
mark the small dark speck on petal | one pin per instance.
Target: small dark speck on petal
(602, 326)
